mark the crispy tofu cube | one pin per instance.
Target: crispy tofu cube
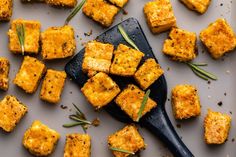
(197, 5)
(97, 57)
(100, 90)
(11, 112)
(53, 85)
(217, 126)
(32, 36)
(29, 75)
(219, 38)
(4, 71)
(62, 3)
(58, 42)
(130, 101)
(148, 73)
(185, 102)
(159, 15)
(5, 10)
(127, 139)
(181, 45)
(40, 140)
(77, 145)
(126, 61)
(119, 3)
(100, 11)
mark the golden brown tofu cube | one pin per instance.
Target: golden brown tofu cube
(32, 36)
(40, 140)
(159, 15)
(148, 73)
(53, 85)
(5, 10)
(219, 38)
(181, 45)
(4, 71)
(130, 101)
(197, 5)
(217, 126)
(127, 139)
(62, 3)
(100, 11)
(58, 42)
(29, 75)
(77, 145)
(11, 112)
(185, 102)
(97, 57)
(119, 3)
(126, 61)
(100, 90)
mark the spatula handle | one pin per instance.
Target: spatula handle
(159, 124)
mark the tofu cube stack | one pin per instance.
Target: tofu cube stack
(127, 139)
(4, 72)
(77, 145)
(11, 112)
(40, 140)
(216, 126)
(159, 15)
(5, 10)
(197, 5)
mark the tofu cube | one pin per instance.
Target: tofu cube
(77, 145)
(119, 3)
(217, 126)
(5, 10)
(58, 42)
(185, 102)
(197, 5)
(52, 86)
(181, 45)
(148, 73)
(29, 75)
(100, 11)
(219, 38)
(130, 101)
(32, 36)
(97, 57)
(11, 112)
(126, 61)
(40, 140)
(159, 15)
(127, 139)
(62, 3)
(100, 90)
(4, 72)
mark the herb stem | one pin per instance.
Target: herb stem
(121, 150)
(75, 118)
(143, 104)
(200, 75)
(73, 124)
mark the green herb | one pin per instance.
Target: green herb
(144, 102)
(75, 11)
(126, 37)
(121, 150)
(20, 30)
(201, 72)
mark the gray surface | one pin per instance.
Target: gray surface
(54, 116)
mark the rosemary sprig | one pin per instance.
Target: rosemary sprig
(201, 72)
(126, 37)
(144, 102)
(121, 150)
(75, 11)
(20, 30)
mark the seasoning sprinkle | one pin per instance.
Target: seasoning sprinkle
(122, 150)
(20, 30)
(143, 104)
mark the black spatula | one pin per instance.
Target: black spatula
(157, 120)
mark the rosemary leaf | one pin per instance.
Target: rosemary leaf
(121, 150)
(75, 11)
(200, 75)
(203, 72)
(144, 102)
(126, 37)
(20, 30)
(200, 64)
(73, 124)
(75, 118)
(79, 112)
